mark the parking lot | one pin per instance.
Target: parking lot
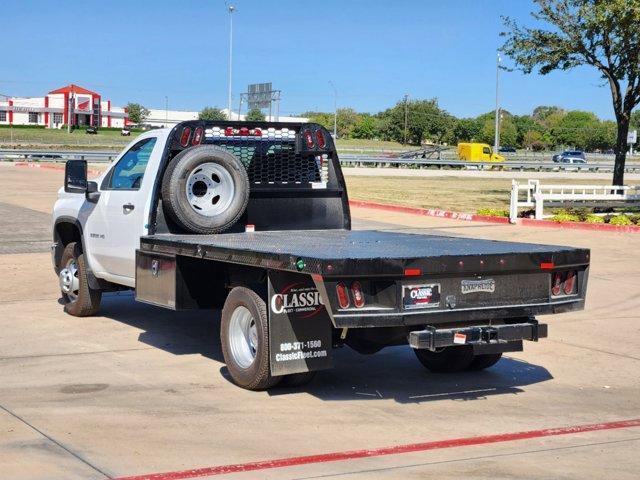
(142, 391)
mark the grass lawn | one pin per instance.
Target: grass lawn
(460, 194)
(60, 138)
(355, 144)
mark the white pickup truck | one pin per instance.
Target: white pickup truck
(254, 218)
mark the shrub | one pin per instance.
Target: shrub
(635, 219)
(594, 219)
(621, 220)
(493, 212)
(565, 217)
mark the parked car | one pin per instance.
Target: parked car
(125, 132)
(507, 149)
(92, 130)
(558, 157)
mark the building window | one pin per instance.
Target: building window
(3, 116)
(33, 117)
(57, 118)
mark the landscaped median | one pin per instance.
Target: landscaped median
(502, 216)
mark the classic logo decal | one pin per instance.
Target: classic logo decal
(294, 299)
(474, 286)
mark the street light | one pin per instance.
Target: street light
(231, 10)
(166, 111)
(335, 110)
(496, 140)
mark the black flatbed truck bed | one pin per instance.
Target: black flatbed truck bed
(521, 273)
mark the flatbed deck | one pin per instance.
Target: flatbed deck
(348, 252)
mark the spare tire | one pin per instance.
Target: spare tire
(205, 189)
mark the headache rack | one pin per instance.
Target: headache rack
(294, 173)
(274, 154)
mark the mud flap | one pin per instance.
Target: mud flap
(299, 325)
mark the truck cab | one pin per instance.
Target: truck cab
(478, 152)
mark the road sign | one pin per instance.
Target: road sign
(632, 137)
(259, 95)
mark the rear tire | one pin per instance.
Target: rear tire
(80, 299)
(447, 360)
(205, 189)
(244, 335)
(480, 362)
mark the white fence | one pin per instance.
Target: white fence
(534, 195)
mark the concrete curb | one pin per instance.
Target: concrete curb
(429, 212)
(472, 217)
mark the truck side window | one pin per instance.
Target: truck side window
(486, 151)
(128, 172)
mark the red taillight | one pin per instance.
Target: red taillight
(358, 296)
(343, 295)
(184, 138)
(308, 138)
(570, 283)
(320, 140)
(412, 272)
(556, 283)
(197, 136)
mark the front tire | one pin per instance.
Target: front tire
(80, 299)
(446, 360)
(244, 335)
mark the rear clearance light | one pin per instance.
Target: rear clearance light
(197, 136)
(242, 132)
(184, 138)
(412, 272)
(343, 295)
(564, 283)
(547, 266)
(308, 138)
(358, 296)
(320, 140)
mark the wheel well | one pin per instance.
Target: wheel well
(63, 234)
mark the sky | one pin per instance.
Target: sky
(374, 52)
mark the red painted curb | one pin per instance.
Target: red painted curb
(472, 217)
(603, 227)
(377, 452)
(429, 212)
(52, 166)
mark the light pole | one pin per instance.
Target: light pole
(335, 110)
(166, 111)
(231, 10)
(496, 140)
(406, 118)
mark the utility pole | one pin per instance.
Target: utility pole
(496, 140)
(406, 118)
(231, 10)
(335, 110)
(166, 111)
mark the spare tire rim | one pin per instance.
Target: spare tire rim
(243, 337)
(69, 281)
(210, 189)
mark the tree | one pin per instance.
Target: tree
(425, 121)
(255, 115)
(212, 113)
(321, 118)
(533, 140)
(602, 34)
(574, 129)
(366, 127)
(137, 113)
(465, 130)
(347, 119)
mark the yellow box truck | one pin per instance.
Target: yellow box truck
(477, 152)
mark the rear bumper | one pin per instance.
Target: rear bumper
(497, 336)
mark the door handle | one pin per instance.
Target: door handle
(128, 208)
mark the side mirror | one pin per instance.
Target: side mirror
(93, 195)
(75, 176)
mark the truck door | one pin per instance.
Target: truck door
(114, 233)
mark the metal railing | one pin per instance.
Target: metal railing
(534, 195)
